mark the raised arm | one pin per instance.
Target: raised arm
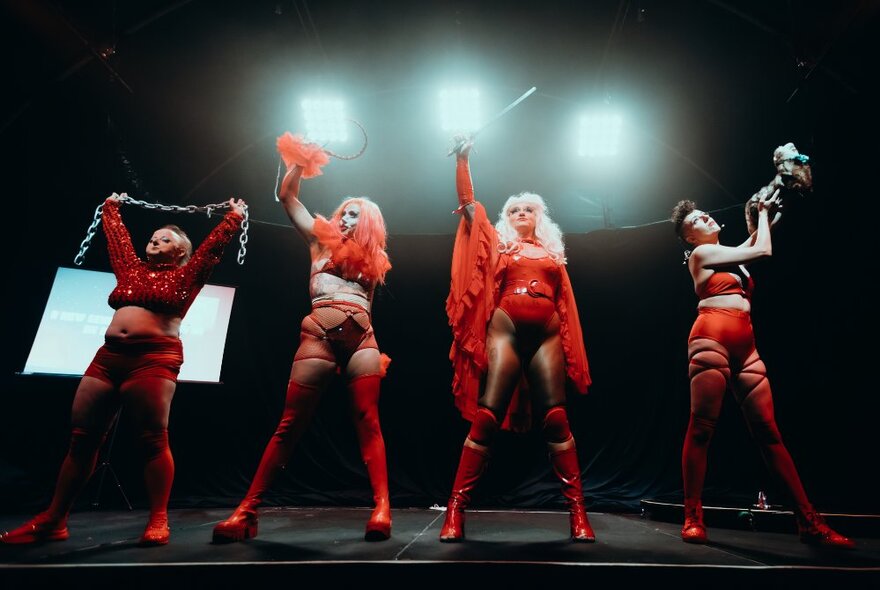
(715, 255)
(777, 216)
(288, 194)
(209, 252)
(463, 184)
(119, 246)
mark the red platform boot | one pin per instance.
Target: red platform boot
(567, 469)
(365, 406)
(299, 407)
(470, 468)
(240, 526)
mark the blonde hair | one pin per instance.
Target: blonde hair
(546, 231)
(184, 241)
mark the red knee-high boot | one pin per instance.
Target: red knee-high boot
(158, 476)
(51, 525)
(365, 399)
(563, 456)
(567, 469)
(298, 411)
(471, 466)
(474, 458)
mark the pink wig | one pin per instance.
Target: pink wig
(369, 233)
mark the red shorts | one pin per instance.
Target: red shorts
(123, 359)
(729, 327)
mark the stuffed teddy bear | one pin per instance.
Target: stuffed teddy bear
(793, 176)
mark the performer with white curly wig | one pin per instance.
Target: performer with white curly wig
(516, 336)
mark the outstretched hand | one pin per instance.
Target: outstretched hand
(771, 204)
(237, 205)
(461, 145)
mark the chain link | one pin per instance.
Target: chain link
(124, 198)
(243, 238)
(90, 233)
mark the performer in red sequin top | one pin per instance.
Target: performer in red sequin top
(165, 287)
(348, 261)
(136, 368)
(516, 329)
(722, 355)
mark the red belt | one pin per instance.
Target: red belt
(534, 288)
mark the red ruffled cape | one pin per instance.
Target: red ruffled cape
(473, 296)
(294, 150)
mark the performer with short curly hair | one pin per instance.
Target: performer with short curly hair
(722, 355)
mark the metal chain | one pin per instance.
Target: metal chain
(90, 233)
(124, 198)
(243, 238)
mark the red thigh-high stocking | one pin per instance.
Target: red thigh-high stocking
(148, 404)
(474, 458)
(563, 457)
(364, 392)
(756, 401)
(709, 370)
(299, 407)
(93, 410)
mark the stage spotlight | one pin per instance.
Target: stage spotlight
(460, 109)
(325, 120)
(599, 134)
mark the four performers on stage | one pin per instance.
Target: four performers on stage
(517, 342)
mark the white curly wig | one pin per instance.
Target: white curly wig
(547, 232)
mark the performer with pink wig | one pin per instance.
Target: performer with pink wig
(348, 261)
(516, 336)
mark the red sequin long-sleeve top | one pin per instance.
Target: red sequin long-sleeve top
(161, 288)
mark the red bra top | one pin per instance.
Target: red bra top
(727, 282)
(516, 268)
(161, 288)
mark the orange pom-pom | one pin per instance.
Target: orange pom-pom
(295, 151)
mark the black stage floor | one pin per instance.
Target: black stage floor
(502, 547)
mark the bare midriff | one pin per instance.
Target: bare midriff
(133, 322)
